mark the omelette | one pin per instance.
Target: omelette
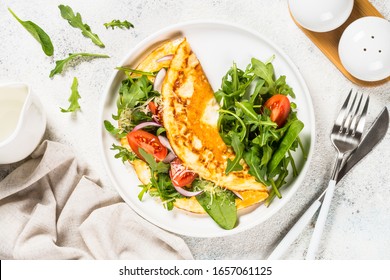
(190, 116)
(189, 113)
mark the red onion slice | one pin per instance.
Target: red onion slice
(238, 195)
(165, 58)
(170, 156)
(144, 124)
(165, 142)
(186, 193)
(159, 79)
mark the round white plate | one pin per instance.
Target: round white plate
(217, 45)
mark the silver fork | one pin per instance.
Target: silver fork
(346, 135)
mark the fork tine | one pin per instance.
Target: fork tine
(341, 115)
(356, 117)
(362, 118)
(345, 127)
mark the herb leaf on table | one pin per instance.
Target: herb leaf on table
(74, 98)
(118, 23)
(61, 63)
(37, 33)
(77, 22)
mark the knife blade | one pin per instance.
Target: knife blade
(375, 134)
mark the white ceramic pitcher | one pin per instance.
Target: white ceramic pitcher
(22, 122)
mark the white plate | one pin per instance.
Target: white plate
(216, 45)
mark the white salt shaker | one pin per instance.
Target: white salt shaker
(364, 48)
(320, 15)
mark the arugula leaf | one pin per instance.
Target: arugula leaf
(37, 33)
(253, 160)
(238, 147)
(245, 124)
(74, 98)
(221, 207)
(61, 63)
(123, 153)
(135, 71)
(77, 22)
(247, 109)
(264, 72)
(118, 133)
(118, 23)
(290, 137)
(155, 167)
(160, 180)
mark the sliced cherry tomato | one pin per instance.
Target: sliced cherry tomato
(280, 108)
(180, 175)
(153, 107)
(147, 141)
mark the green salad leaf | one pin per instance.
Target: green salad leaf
(118, 23)
(123, 153)
(245, 124)
(60, 64)
(74, 98)
(219, 204)
(161, 184)
(76, 21)
(37, 33)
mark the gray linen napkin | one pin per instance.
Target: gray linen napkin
(51, 207)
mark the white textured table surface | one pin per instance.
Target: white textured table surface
(358, 225)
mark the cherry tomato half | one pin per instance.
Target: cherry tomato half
(280, 108)
(147, 141)
(180, 175)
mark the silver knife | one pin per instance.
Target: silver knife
(375, 133)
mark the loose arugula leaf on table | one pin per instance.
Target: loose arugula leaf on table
(77, 22)
(118, 23)
(37, 33)
(60, 64)
(73, 99)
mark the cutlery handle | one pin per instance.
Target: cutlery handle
(320, 224)
(292, 235)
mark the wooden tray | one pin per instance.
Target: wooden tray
(328, 42)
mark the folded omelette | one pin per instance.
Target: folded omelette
(190, 117)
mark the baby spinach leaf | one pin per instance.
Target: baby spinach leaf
(37, 33)
(61, 63)
(220, 206)
(118, 23)
(77, 22)
(74, 98)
